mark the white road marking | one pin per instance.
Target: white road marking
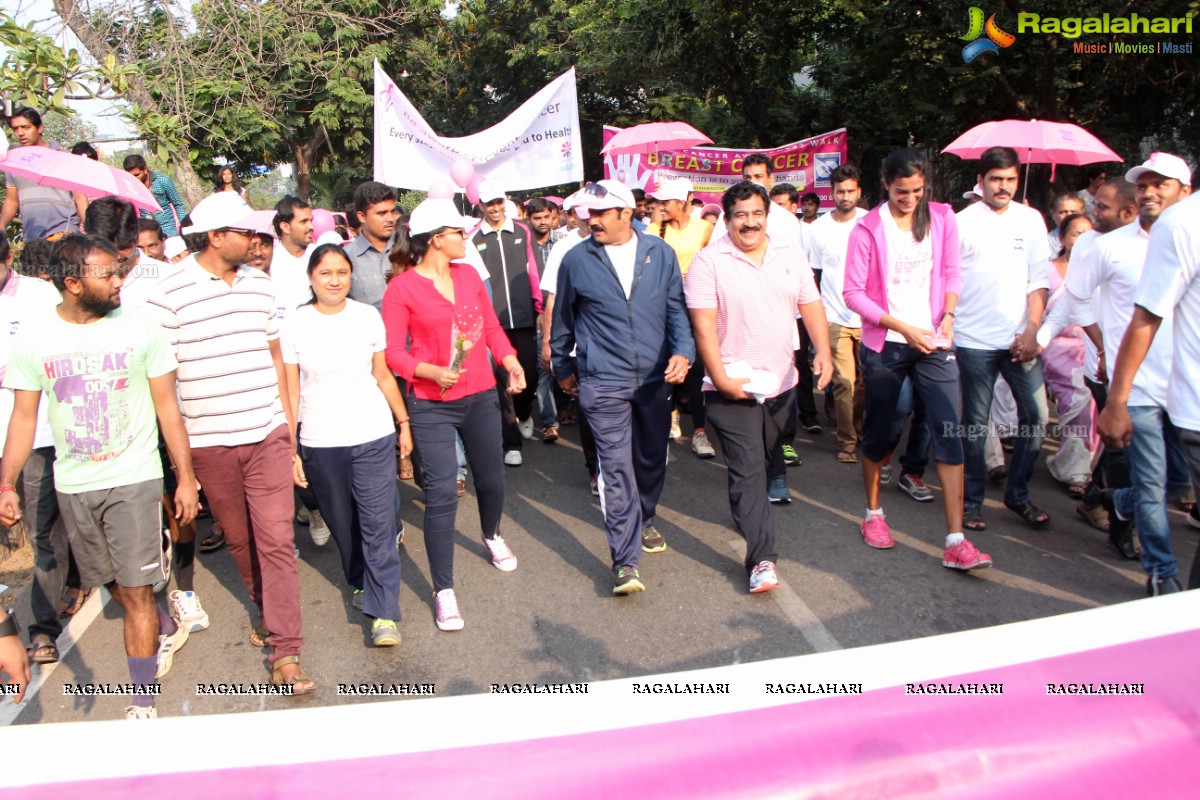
(796, 610)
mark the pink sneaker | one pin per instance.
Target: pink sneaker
(964, 556)
(876, 534)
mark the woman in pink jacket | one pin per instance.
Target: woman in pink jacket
(903, 278)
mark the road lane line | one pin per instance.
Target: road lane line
(796, 610)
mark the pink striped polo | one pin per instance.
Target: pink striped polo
(756, 305)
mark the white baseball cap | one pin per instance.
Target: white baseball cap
(1165, 164)
(605, 194)
(673, 189)
(489, 191)
(976, 191)
(221, 210)
(432, 215)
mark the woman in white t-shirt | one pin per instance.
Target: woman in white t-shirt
(903, 277)
(347, 401)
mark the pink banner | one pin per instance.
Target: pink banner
(805, 164)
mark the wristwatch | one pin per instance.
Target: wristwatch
(9, 626)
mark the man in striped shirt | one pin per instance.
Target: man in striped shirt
(743, 292)
(220, 319)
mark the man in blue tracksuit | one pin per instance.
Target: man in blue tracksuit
(619, 304)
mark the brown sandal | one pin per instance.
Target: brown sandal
(259, 635)
(847, 455)
(300, 683)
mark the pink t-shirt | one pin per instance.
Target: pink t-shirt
(756, 305)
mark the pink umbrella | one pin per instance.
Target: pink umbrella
(64, 170)
(650, 137)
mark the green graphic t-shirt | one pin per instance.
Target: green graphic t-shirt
(96, 381)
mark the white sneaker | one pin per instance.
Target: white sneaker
(676, 431)
(701, 446)
(526, 428)
(502, 554)
(318, 529)
(141, 712)
(185, 608)
(763, 578)
(513, 458)
(446, 607)
(167, 647)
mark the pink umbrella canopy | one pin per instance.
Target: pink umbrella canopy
(64, 170)
(650, 137)
(1036, 142)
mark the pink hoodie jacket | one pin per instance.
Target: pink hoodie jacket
(865, 287)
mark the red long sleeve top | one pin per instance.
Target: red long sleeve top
(414, 310)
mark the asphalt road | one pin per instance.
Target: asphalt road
(555, 620)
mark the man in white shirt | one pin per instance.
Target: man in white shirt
(293, 225)
(828, 238)
(1170, 287)
(1137, 413)
(1005, 278)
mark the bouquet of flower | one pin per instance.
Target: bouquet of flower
(464, 334)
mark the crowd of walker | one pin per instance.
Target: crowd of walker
(294, 377)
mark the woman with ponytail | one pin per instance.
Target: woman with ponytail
(903, 278)
(340, 386)
(440, 325)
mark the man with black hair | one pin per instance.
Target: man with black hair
(810, 207)
(164, 191)
(1005, 282)
(108, 375)
(151, 239)
(44, 210)
(375, 214)
(293, 223)
(786, 197)
(1095, 177)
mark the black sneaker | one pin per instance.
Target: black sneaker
(1156, 586)
(652, 540)
(810, 424)
(627, 581)
(1120, 531)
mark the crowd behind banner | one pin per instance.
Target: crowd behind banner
(298, 364)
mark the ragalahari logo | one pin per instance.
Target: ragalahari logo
(978, 45)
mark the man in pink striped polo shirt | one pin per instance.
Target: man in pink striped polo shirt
(743, 292)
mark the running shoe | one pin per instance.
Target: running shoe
(186, 609)
(763, 578)
(384, 633)
(914, 487)
(885, 470)
(810, 424)
(526, 428)
(964, 556)
(1156, 586)
(317, 529)
(627, 581)
(513, 458)
(701, 446)
(302, 516)
(595, 486)
(356, 598)
(446, 608)
(141, 712)
(790, 457)
(168, 645)
(875, 533)
(676, 431)
(652, 540)
(777, 490)
(502, 555)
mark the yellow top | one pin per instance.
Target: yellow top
(686, 242)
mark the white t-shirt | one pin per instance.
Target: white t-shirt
(341, 404)
(1004, 259)
(141, 280)
(1071, 311)
(555, 259)
(909, 274)
(1110, 273)
(24, 300)
(623, 257)
(827, 243)
(1169, 288)
(289, 280)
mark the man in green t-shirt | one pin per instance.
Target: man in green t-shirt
(108, 374)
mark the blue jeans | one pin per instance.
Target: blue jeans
(978, 370)
(547, 411)
(1157, 466)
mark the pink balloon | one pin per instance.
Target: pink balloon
(441, 189)
(462, 171)
(472, 189)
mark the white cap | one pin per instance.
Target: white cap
(173, 246)
(673, 189)
(976, 191)
(1164, 164)
(221, 210)
(489, 191)
(570, 204)
(432, 215)
(604, 194)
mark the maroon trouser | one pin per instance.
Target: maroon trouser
(250, 490)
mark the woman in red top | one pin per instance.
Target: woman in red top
(442, 307)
